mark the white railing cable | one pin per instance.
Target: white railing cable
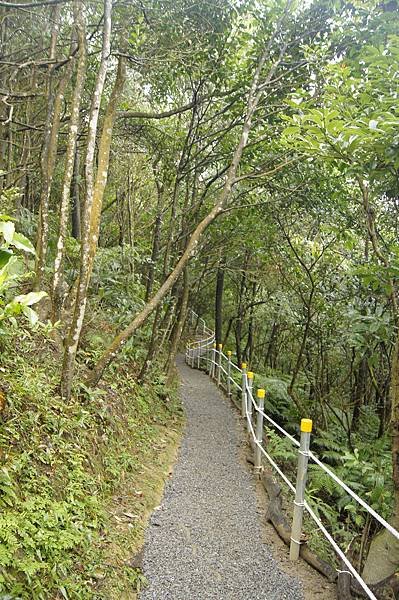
(340, 553)
(312, 514)
(210, 340)
(366, 506)
(201, 343)
(281, 429)
(331, 473)
(235, 367)
(276, 425)
(236, 384)
(269, 458)
(224, 370)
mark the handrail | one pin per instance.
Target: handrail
(308, 508)
(329, 472)
(215, 361)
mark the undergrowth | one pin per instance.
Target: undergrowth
(61, 467)
(366, 468)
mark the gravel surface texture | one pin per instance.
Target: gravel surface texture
(205, 540)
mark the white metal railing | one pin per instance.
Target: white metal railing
(203, 353)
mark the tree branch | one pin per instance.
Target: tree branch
(32, 4)
(254, 174)
(131, 114)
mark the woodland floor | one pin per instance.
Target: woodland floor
(208, 538)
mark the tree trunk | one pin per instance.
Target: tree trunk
(130, 204)
(359, 393)
(271, 352)
(227, 332)
(240, 311)
(166, 325)
(76, 210)
(179, 328)
(249, 347)
(70, 160)
(152, 347)
(93, 200)
(156, 241)
(48, 157)
(219, 302)
(291, 388)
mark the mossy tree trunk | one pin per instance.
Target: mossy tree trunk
(174, 346)
(49, 153)
(93, 199)
(70, 161)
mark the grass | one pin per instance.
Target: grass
(77, 480)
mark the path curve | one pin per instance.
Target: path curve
(205, 539)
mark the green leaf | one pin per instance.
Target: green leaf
(5, 256)
(12, 308)
(29, 299)
(292, 130)
(7, 228)
(22, 243)
(64, 593)
(31, 315)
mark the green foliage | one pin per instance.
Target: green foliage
(12, 271)
(282, 449)
(278, 404)
(367, 471)
(368, 327)
(357, 124)
(60, 465)
(306, 295)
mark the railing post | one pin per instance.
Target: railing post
(199, 355)
(244, 390)
(250, 377)
(213, 360)
(220, 347)
(260, 394)
(303, 458)
(229, 373)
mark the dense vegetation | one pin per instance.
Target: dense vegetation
(241, 158)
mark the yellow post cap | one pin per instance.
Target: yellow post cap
(228, 352)
(261, 393)
(220, 346)
(250, 375)
(243, 365)
(306, 425)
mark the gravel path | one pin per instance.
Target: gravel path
(205, 540)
